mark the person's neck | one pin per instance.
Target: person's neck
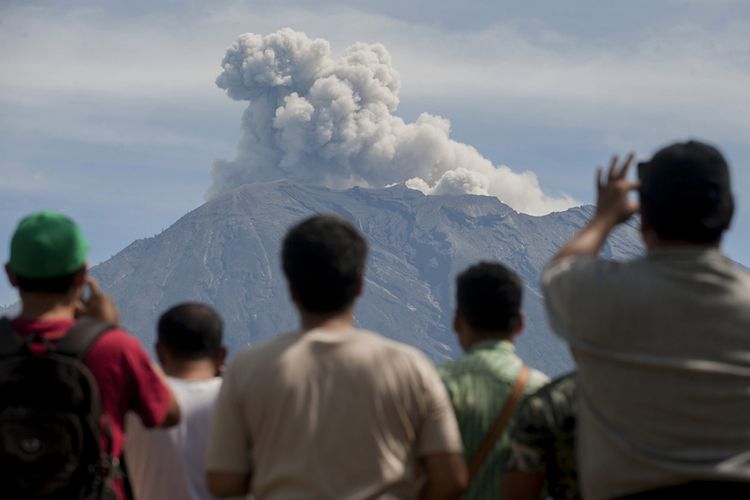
(654, 242)
(659, 244)
(473, 339)
(46, 307)
(199, 369)
(340, 320)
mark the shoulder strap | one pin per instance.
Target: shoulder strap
(10, 342)
(78, 340)
(500, 423)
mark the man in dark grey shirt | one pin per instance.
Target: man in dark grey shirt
(662, 342)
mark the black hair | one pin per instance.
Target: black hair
(324, 258)
(191, 331)
(489, 295)
(56, 285)
(685, 193)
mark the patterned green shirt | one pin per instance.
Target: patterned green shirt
(542, 439)
(479, 383)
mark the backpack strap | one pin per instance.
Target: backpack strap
(79, 339)
(500, 423)
(10, 341)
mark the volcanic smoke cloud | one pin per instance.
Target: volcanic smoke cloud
(318, 120)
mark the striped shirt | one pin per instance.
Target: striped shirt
(479, 383)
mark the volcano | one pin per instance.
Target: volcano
(226, 253)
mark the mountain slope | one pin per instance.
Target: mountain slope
(226, 253)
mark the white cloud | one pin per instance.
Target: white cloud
(585, 81)
(316, 119)
(681, 79)
(94, 52)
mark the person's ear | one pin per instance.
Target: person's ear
(649, 236)
(161, 353)
(293, 295)
(730, 216)
(458, 321)
(360, 286)
(80, 277)
(220, 361)
(81, 274)
(645, 224)
(12, 278)
(464, 334)
(520, 325)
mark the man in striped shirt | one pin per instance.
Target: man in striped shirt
(488, 317)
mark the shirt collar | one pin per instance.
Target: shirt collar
(492, 344)
(685, 251)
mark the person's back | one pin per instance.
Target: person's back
(48, 266)
(662, 341)
(480, 382)
(677, 364)
(541, 455)
(170, 463)
(331, 411)
(337, 414)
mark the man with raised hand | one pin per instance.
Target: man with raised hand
(329, 410)
(662, 342)
(170, 463)
(48, 267)
(487, 382)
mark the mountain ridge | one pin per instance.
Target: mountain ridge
(225, 253)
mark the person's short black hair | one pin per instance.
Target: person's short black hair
(324, 258)
(57, 285)
(488, 296)
(685, 193)
(191, 331)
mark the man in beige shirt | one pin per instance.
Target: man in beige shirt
(662, 342)
(331, 411)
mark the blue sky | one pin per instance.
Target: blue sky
(109, 112)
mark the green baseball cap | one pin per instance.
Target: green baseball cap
(47, 244)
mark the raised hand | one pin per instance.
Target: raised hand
(613, 203)
(98, 304)
(613, 206)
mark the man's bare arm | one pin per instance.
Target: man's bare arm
(522, 485)
(174, 413)
(99, 305)
(228, 484)
(447, 476)
(613, 207)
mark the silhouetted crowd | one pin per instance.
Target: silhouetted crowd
(658, 407)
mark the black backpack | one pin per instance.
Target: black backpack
(51, 430)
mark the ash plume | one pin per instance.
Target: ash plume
(324, 121)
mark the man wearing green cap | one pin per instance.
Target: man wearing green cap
(48, 266)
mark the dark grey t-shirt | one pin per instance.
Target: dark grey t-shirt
(662, 345)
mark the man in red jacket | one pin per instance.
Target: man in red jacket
(48, 267)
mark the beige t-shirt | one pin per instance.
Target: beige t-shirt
(331, 414)
(662, 345)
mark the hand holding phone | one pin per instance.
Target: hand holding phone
(97, 304)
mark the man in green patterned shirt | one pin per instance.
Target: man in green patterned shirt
(542, 445)
(488, 317)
